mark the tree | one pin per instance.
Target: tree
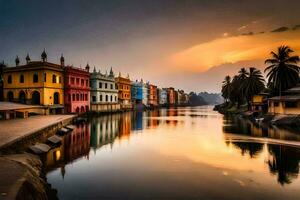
(226, 88)
(253, 84)
(283, 73)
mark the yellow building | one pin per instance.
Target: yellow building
(36, 82)
(287, 104)
(124, 91)
(259, 102)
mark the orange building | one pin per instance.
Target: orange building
(124, 91)
(171, 96)
(152, 95)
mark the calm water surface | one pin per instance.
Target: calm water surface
(184, 153)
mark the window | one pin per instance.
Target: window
(21, 78)
(94, 98)
(45, 77)
(276, 104)
(9, 79)
(291, 104)
(35, 78)
(53, 78)
(72, 80)
(100, 84)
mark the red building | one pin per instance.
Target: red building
(77, 89)
(171, 96)
(152, 101)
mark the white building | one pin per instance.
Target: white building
(104, 94)
(162, 96)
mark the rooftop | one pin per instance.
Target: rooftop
(286, 98)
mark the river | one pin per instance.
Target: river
(176, 153)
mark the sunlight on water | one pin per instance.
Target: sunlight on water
(183, 153)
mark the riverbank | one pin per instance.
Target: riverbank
(290, 122)
(22, 173)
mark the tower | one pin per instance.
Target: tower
(27, 59)
(17, 60)
(62, 60)
(44, 56)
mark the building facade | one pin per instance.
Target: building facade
(152, 95)
(124, 91)
(36, 82)
(77, 89)
(2, 66)
(162, 96)
(104, 93)
(171, 96)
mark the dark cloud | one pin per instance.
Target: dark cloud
(280, 29)
(249, 33)
(296, 27)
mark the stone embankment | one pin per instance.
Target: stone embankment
(21, 173)
(283, 121)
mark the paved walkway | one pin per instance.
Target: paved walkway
(4, 105)
(14, 130)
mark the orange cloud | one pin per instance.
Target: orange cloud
(203, 56)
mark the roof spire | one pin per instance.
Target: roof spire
(17, 60)
(44, 56)
(27, 59)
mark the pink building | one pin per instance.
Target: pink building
(77, 89)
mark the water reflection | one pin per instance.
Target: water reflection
(171, 150)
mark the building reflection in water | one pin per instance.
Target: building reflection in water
(283, 161)
(104, 130)
(74, 145)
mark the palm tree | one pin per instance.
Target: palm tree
(253, 84)
(283, 73)
(226, 88)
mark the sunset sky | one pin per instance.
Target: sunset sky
(188, 44)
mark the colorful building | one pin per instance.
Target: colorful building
(104, 93)
(162, 96)
(287, 104)
(152, 95)
(2, 66)
(171, 96)
(77, 89)
(139, 92)
(124, 91)
(36, 82)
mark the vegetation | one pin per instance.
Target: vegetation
(196, 100)
(282, 74)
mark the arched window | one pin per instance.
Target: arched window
(21, 78)
(9, 79)
(35, 78)
(35, 99)
(53, 78)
